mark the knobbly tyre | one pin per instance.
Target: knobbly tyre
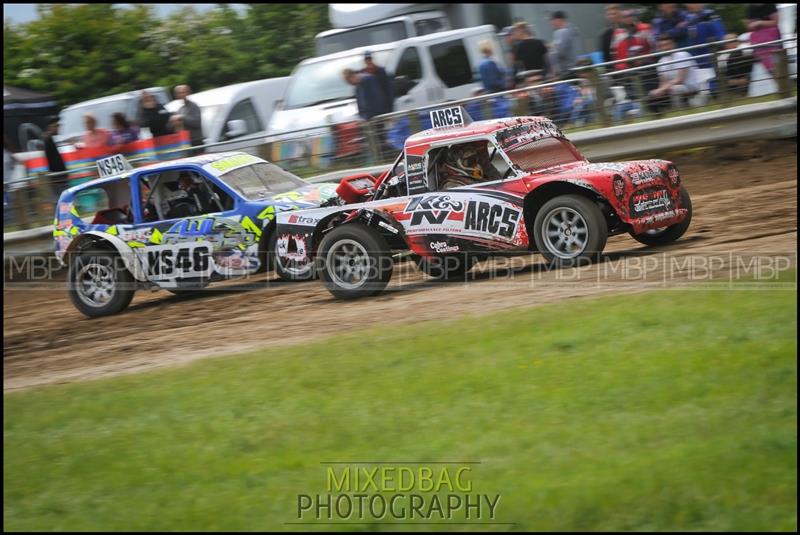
(464, 191)
(177, 225)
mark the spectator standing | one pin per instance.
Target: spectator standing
(611, 36)
(737, 66)
(676, 81)
(387, 91)
(122, 131)
(492, 76)
(530, 54)
(583, 104)
(703, 26)
(55, 163)
(566, 43)
(762, 23)
(153, 116)
(94, 137)
(189, 116)
(368, 92)
(635, 40)
(674, 22)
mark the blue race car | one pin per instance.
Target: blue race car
(177, 225)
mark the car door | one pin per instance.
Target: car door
(178, 243)
(472, 217)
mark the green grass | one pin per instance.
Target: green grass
(668, 410)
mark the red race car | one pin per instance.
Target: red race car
(463, 191)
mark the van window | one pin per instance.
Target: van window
(357, 37)
(424, 27)
(245, 111)
(410, 69)
(451, 63)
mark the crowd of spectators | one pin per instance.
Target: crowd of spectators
(645, 69)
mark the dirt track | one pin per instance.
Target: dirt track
(742, 205)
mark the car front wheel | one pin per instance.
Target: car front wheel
(99, 284)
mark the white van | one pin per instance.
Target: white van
(363, 33)
(427, 70)
(71, 118)
(236, 111)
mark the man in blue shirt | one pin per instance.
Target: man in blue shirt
(672, 21)
(703, 26)
(369, 95)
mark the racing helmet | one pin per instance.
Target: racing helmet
(464, 161)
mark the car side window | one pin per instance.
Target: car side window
(466, 164)
(408, 72)
(451, 63)
(180, 193)
(243, 111)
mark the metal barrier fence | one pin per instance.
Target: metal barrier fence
(592, 96)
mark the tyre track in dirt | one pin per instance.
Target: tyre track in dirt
(745, 206)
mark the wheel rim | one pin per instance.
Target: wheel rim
(655, 231)
(348, 264)
(95, 285)
(565, 232)
(294, 268)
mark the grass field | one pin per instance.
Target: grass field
(668, 410)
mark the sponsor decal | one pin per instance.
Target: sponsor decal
(619, 187)
(445, 213)
(522, 134)
(650, 200)
(443, 247)
(491, 218)
(674, 177)
(302, 220)
(292, 247)
(644, 176)
(415, 167)
(227, 164)
(447, 117)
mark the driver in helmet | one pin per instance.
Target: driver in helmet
(466, 164)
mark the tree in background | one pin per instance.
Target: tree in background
(79, 52)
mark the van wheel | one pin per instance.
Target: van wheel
(99, 284)
(570, 230)
(354, 261)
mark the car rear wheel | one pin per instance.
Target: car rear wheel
(99, 284)
(665, 235)
(354, 261)
(570, 230)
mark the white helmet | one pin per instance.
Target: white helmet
(464, 161)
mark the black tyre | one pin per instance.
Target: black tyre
(99, 283)
(287, 270)
(671, 233)
(354, 261)
(570, 230)
(448, 267)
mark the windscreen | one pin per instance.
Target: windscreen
(261, 180)
(358, 37)
(319, 82)
(544, 153)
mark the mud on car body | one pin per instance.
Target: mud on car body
(464, 191)
(177, 225)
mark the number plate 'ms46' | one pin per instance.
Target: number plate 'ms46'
(179, 261)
